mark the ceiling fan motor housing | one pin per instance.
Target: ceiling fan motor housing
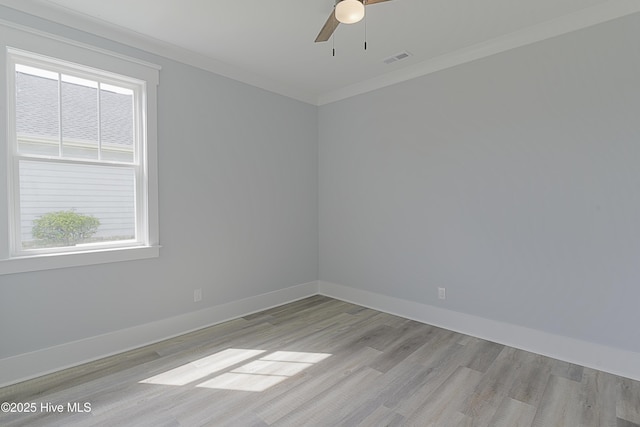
(346, 12)
(349, 11)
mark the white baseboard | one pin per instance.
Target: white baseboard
(616, 361)
(25, 366)
(41, 362)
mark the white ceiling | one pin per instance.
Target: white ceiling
(270, 44)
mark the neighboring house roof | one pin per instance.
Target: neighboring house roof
(38, 114)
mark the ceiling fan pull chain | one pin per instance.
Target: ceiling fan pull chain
(333, 40)
(365, 27)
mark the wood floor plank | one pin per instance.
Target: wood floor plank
(395, 385)
(438, 374)
(624, 423)
(598, 399)
(382, 416)
(513, 413)
(293, 396)
(485, 356)
(377, 338)
(328, 407)
(532, 379)
(493, 387)
(567, 370)
(403, 382)
(442, 344)
(324, 362)
(398, 351)
(558, 407)
(444, 401)
(628, 402)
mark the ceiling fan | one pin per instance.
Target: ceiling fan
(346, 12)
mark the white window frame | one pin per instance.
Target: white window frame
(40, 50)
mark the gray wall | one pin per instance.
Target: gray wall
(513, 181)
(238, 213)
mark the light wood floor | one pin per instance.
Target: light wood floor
(323, 362)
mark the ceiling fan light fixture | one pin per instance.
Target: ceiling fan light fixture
(349, 11)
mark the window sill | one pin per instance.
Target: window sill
(77, 259)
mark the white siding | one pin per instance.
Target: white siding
(104, 192)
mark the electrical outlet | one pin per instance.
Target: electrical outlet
(442, 293)
(197, 295)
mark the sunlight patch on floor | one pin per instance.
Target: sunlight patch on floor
(243, 382)
(201, 368)
(265, 372)
(257, 375)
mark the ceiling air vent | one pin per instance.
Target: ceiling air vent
(397, 57)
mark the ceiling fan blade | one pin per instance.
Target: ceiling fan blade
(328, 28)
(368, 2)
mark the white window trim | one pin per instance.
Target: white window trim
(23, 40)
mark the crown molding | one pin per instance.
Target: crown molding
(30, 30)
(593, 15)
(82, 22)
(562, 25)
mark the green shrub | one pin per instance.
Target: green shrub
(64, 228)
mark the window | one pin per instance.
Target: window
(81, 184)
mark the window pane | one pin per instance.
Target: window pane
(37, 114)
(116, 121)
(79, 118)
(57, 198)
